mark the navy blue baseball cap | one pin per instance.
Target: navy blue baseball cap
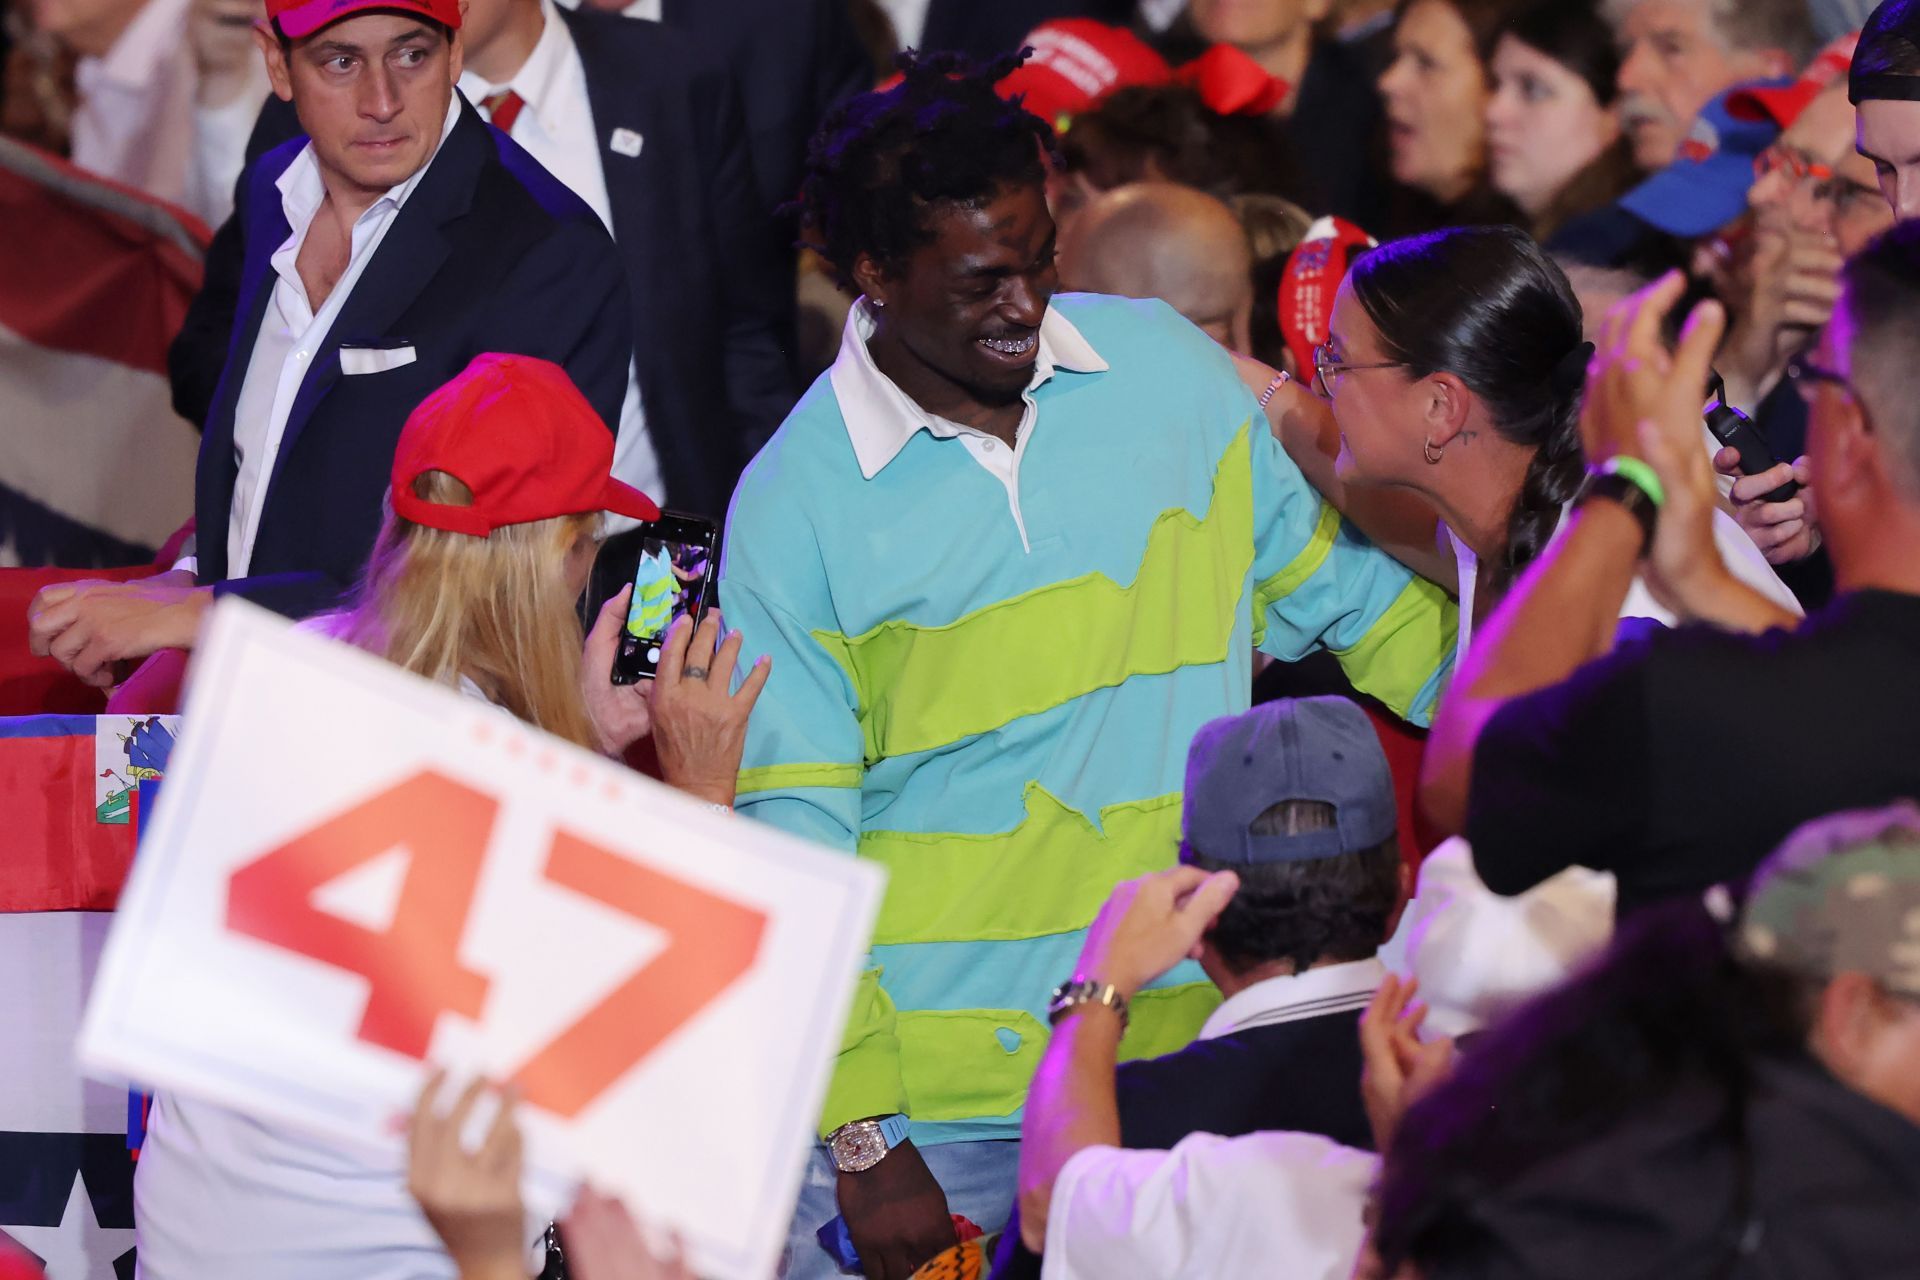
(1705, 187)
(1316, 749)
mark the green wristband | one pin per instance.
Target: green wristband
(1639, 475)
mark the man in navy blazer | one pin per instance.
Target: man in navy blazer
(375, 257)
(659, 148)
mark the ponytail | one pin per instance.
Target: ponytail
(1555, 475)
(1487, 305)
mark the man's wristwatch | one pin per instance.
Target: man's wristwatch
(1633, 485)
(858, 1146)
(1069, 995)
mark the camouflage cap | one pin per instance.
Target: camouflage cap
(1842, 894)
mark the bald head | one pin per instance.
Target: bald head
(1159, 240)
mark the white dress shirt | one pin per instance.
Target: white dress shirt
(1266, 1204)
(292, 334)
(557, 128)
(881, 418)
(134, 119)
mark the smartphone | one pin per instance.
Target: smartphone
(672, 578)
(1736, 431)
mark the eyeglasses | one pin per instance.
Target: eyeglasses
(1829, 187)
(1806, 376)
(1845, 195)
(1779, 159)
(1325, 368)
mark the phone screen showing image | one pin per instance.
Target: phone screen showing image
(671, 579)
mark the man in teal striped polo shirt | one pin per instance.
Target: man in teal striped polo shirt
(1007, 555)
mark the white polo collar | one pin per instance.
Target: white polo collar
(881, 418)
(1334, 988)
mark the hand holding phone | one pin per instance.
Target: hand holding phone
(1736, 431)
(672, 578)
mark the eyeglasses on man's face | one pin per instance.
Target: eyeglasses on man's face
(1797, 166)
(1841, 194)
(1807, 376)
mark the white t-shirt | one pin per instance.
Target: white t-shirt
(1266, 1204)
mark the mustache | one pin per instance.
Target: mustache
(1636, 109)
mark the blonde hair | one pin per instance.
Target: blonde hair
(496, 610)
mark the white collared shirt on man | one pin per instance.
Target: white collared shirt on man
(557, 128)
(881, 418)
(292, 334)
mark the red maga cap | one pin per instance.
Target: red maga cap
(1076, 62)
(298, 19)
(1312, 276)
(518, 433)
(1782, 105)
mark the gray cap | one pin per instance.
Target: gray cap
(1316, 749)
(1842, 894)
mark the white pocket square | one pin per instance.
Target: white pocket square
(355, 360)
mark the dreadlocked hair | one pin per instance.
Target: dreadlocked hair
(885, 161)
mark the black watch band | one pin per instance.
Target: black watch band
(1623, 492)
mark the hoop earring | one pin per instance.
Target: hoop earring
(1431, 454)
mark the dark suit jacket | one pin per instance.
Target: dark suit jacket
(489, 253)
(793, 60)
(707, 281)
(709, 284)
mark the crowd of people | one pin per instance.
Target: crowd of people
(1349, 560)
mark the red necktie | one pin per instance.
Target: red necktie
(503, 108)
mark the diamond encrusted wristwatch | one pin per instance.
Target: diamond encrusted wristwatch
(858, 1146)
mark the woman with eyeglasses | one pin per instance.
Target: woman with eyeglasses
(1453, 372)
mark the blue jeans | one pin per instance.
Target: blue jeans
(980, 1179)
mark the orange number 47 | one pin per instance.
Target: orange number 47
(413, 968)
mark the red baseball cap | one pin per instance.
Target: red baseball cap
(1312, 276)
(1076, 62)
(298, 19)
(1231, 83)
(1783, 104)
(518, 433)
